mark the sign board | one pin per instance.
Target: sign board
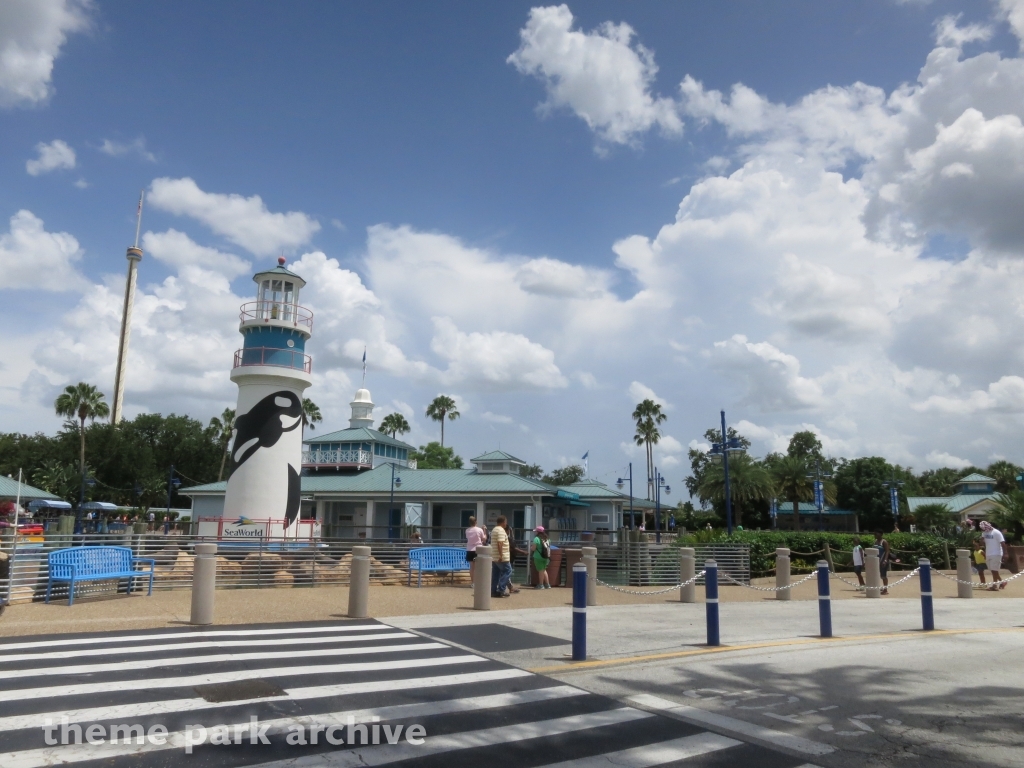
(245, 529)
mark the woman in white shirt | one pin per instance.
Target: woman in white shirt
(475, 537)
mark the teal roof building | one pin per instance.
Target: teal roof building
(974, 498)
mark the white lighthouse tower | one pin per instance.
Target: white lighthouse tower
(271, 370)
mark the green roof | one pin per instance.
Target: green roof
(9, 490)
(278, 270)
(357, 435)
(497, 456)
(974, 477)
(593, 489)
(810, 508)
(956, 504)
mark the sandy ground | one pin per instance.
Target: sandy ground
(245, 606)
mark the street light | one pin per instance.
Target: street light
(396, 482)
(720, 452)
(894, 486)
(819, 492)
(86, 481)
(173, 484)
(658, 485)
(618, 484)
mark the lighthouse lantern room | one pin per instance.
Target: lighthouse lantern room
(272, 370)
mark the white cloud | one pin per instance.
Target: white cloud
(32, 32)
(1013, 12)
(640, 392)
(770, 376)
(496, 418)
(31, 257)
(178, 250)
(944, 459)
(1004, 396)
(669, 444)
(56, 155)
(245, 221)
(119, 148)
(602, 76)
(948, 32)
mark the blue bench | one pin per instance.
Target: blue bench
(95, 564)
(436, 560)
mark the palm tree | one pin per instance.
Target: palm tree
(1009, 513)
(394, 424)
(222, 428)
(648, 416)
(82, 401)
(793, 484)
(933, 517)
(749, 480)
(310, 414)
(440, 407)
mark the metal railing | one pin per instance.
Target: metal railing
(279, 358)
(255, 311)
(364, 458)
(276, 563)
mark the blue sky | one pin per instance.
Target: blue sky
(652, 238)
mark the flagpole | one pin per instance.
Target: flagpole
(14, 547)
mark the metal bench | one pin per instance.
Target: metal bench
(436, 560)
(95, 564)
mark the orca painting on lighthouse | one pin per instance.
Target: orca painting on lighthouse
(272, 370)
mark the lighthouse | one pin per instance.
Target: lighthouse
(272, 370)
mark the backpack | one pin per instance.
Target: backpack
(545, 549)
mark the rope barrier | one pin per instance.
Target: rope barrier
(835, 575)
(657, 592)
(909, 576)
(978, 584)
(807, 554)
(808, 577)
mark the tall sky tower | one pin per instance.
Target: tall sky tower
(134, 256)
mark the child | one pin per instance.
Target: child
(979, 560)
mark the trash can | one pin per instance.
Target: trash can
(572, 556)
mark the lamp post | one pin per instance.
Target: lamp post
(396, 482)
(86, 481)
(658, 485)
(618, 484)
(894, 486)
(173, 484)
(819, 492)
(720, 452)
(773, 512)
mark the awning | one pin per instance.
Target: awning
(48, 504)
(99, 506)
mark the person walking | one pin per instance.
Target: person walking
(858, 562)
(502, 568)
(995, 550)
(475, 537)
(979, 559)
(541, 549)
(884, 554)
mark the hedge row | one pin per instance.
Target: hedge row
(907, 547)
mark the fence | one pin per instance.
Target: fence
(270, 563)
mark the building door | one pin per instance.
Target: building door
(518, 521)
(395, 523)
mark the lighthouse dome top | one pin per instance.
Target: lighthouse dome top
(279, 273)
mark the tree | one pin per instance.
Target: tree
(310, 414)
(223, 427)
(749, 481)
(860, 487)
(57, 478)
(433, 455)
(565, 476)
(792, 483)
(935, 517)
(701, 460)
(82, 401)
(938, 482)
(440, 407)
(806, 446)
(531, 470)
(1009, 517)
(1005, 474)
(648, 416)
(394, 424)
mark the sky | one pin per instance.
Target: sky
(807, 214)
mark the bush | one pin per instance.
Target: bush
(906, 547)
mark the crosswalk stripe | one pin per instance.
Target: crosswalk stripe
(167, 706)
(189, 646)
(229, 677)
(651, 755)
(382, 754)
(47, 756)
(185, 635)
(88, 669)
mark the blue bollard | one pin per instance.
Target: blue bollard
(824, 600)
(711, 601)
(927, 615)
(579, 612)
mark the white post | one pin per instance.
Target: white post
(359, 583)
(872, 573)
(482, 579)
(204, 584)
(590, 560)
(963, 573)
(687, 569)
(369, 519)
(782, 574)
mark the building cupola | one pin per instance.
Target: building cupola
(362, 410)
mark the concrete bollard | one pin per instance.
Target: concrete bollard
(964, 573)
(782, 574)
(204, 583)
(590, 560)
(824, 600)
(872, 573)
(927, 612)
(482, 579)
(579, 612)
(711, 601)
(359, 583)
(687, 568)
